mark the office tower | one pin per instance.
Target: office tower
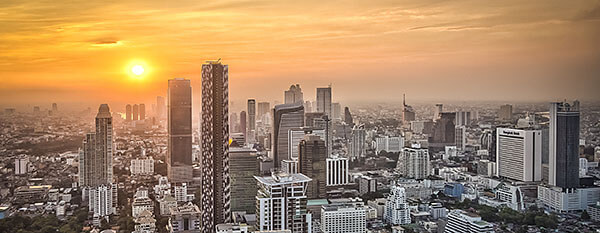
(135, 112)
(215, 146)
(179, 146)
(308, 106)
(128, 113)
(295, 135)
(408, 113)
(336, 110)
(294, 95)
(311, 117)
(460, 137)
(285, 117)
(325, 123)
(505, 112)
(95, 160)
(243, 166)
(185, 219)
(337, 171)
(367, 184)
(281, 203)
(160, 107)
(437, 111)
(397, 211)
(324, 100)
(389, 144)
(564, 145)
(242, 128)
(463, 118)
(311, 162)
(443, 129)
(263, 108)
(519, 154)
(344, 218)
(142, 112)
(460, 221)
(414, 163)
(488, 142)
(251, 133)
(357, 145)
(348, 117)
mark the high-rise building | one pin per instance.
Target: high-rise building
(243, 122)
(54, 108)
(408, 113)
(312, 156)
(161, 111)
(337, 171)
(414, 163)
(439, 108)
(128, 113)
(348, 117)
(389, 144)
(263, 108)
(443, 130)
(294, 95)
(463, 118)
(488, 142)
(215, 146)
(505, 112)
(397, 210)
(142, 112)
(358, 143)
(295, 135)
(285, 117)
(179, 145)
(101, 200)
(251, 132)
(324, 100)
(281, 203)
(460, 137)
(21, 165)
(336, 110)
(243, 166)
(308, 106)
(519, 154)
(344, 218)
(564, 145)
(460, 221)
(96, 158)
(136, 110)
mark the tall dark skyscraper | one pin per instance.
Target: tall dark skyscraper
(128, 112)
(311, 162)
(408, 114)
(564, 145)
(324, 101)
(250, 135)
(142, 112)
(285, 117)
(443, 130)
(136, 111)
(215, 146)
(179, 153)
(96, 157)
(348, 117)
(243, 123)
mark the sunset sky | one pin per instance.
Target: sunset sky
(78, 51)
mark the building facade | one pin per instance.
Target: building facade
(519, 154)
(179, 127)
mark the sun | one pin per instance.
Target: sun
(137, 70)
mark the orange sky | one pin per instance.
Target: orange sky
(78, 51)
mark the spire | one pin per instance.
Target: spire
(404, 100)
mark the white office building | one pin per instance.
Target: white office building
(344, 218)
(143, 166)
(389, 144)
(397, 211)
(414, 163)
(519, 154)
(337, 171)
(460, 221)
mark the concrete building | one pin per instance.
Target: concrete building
(519, 154)
(312, 163)
(166, 203)
(460, 137)
(505, 112)
(251, 132)
(389, 144)
(337, 171)
(243, 166)
(295, 135)
(344, 218)
(143, 166)
(186, 218)
(96, 157)
(567, 200)
(358, 144)
(179, 127)
(414, 163)
(367, 184)
(460, 221)
(396, 211)
(21, 165)
(324, 101)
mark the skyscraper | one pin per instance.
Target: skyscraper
(243, 166)
(136, 110)
(443, 130)
(505, 112)
(357, 145)
(243, 123)
(294, 95)
(408, 113)
(460, 137)
(179, 153)
(215, 146)
(564, 145)
(128, 116)
(414, 163)
(263, 108)
(312, 156)
(97, 155)
(324, 100)
(438, 111)
(519, 154)
(348, 117)
(295, 135)
(336, 111)
(160, 107)
(251, 134)
(396, 210)
(285, 117)
(142, 112)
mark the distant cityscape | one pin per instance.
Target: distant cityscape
(305, 165)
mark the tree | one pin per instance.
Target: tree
(585, 216)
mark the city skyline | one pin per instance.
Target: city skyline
(409, 44)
